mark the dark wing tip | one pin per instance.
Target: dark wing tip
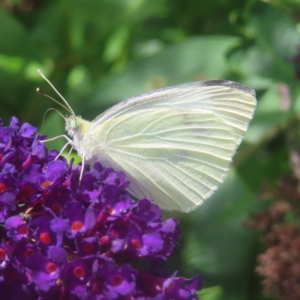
(229, 84)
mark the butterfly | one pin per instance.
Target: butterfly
(174, 144)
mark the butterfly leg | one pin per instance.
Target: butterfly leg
(82, 168)
(58, 137)
(62, 150)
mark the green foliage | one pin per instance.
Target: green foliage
(212, 293)
(99, 52)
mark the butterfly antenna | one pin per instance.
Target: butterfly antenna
(45, 78)
(48, 111)
(40, 91)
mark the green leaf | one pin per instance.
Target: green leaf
(116, 43)
(212, 293)
(271, 44)
(15, 41)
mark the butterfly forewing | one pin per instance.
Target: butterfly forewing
(176, 144)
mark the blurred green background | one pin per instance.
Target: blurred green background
(99, 52)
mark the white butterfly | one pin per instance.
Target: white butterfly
(175, 144)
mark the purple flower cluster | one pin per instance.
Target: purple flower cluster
(65, 239)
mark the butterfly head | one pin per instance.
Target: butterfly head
(77, 128)
(72, 125)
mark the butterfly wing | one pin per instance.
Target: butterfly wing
(176, 144)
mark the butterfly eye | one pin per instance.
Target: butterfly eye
(73, 123)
